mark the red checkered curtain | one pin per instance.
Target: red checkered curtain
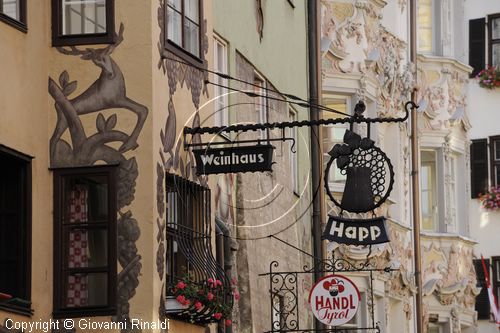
(78, 247)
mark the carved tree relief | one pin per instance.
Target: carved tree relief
(107, 92)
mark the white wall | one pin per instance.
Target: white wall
(484, 112)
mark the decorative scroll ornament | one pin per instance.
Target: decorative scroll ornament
(369, 181)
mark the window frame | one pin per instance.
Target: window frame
(495, 276)
(194, 220)
(221, 116)
(435, 191)
(61, 244)
(492, 161)
(261, 103)
(179, 50)
(22, 23)
(492, 41)
(58, 39)
(27, 311)
(294, 161)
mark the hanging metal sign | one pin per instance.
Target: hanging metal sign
(334, 300)
(356, 232)
(369, 178)
(234, 159)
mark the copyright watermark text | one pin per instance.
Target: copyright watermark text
(85, 324)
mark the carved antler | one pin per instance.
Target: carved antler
(74, 51)
(118, 38)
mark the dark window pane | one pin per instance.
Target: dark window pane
(87, 290)
(479, 167)
(482, 301)
(13, 226)
(495, 28)
(495, 53)
(497, 174)
(174, 32)
(175, 4)
(191, 35)
(191, 10)
(497, 149)
(86, 199)
(477, 31)
(83, 17)
(88, 248)
(12, 8)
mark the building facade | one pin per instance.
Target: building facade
(103, 212)
(479, 49)
(365, 49)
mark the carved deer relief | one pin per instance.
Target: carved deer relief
(107, 92)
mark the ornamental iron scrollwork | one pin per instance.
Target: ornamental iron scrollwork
(285, 293)
(188, 230)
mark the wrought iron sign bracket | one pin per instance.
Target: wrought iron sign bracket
(285, 285)
(357, 118)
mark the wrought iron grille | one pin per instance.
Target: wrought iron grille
(285, 294)
(189, 246)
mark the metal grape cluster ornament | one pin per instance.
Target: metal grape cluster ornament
(369, 178)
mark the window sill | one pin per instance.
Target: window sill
(14, 23)
(83, 312)
(178, 51)
(84, 39)
(21, 310)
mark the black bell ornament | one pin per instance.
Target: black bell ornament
(358, 194)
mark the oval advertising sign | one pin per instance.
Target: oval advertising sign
(334, 300)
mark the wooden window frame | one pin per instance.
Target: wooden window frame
(493, 163)
(26, 311)
(221, 117)
(495, 283)
(491, 41)
(58, 39)
(60, 255)
(22, 24)
(179, 50)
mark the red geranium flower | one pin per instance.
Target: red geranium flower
(218, 315)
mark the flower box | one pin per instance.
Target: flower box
(173, 306)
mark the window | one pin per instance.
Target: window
(15, 230)
(425, 25)
(220, 93)
(294, 145)
(79, 22)
(428, 190)
(479, 167)
(188, 217)
(85, 242)
(13, 12)
(495, 160)
(261, 103)
(482, 300)
(183, 18)
(477, 45)
(494, 39)
(334, 134)
(479, 164)
(495, 276)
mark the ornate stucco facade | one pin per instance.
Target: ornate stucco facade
(365, 56)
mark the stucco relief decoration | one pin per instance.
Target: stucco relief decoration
(395, 74)
(450, 277)
(172, 157)
(442, 91)
(107, 92)
(338, 26)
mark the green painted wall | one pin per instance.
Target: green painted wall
(281, 55)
